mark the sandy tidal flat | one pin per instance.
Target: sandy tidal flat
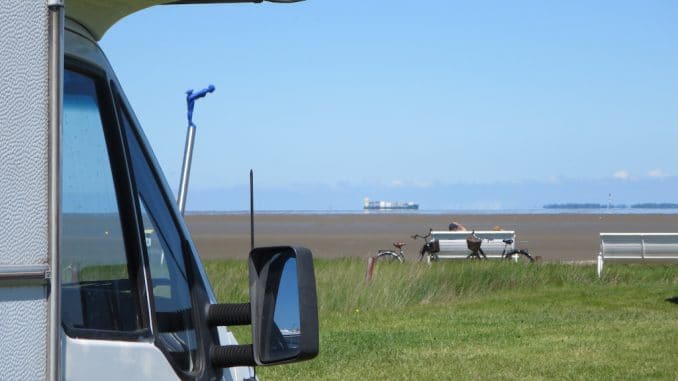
(553, 237)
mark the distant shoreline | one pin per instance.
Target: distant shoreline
(646, 205)
(455, 212)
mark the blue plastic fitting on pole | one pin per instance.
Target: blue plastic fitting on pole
(191, 97)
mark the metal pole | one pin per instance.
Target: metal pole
(55, 91)
(251, 210)
(186, 168)
(191, 97)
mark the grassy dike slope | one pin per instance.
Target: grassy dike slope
(482, 320)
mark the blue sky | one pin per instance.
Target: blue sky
(436, 102)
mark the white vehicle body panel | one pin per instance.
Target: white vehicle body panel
(104, 360)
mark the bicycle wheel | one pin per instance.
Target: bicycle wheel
(389, 256)
(475, 256)
(431, 257)
(519, 256)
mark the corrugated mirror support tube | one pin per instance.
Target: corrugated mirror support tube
(229, 314)
(232, 355)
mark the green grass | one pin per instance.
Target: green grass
(483, 320)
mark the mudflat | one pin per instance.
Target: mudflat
(557, 237)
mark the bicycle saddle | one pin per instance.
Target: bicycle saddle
(399, 245)
(507, 241)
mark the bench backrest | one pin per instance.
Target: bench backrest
(453, 243)
(639, 245)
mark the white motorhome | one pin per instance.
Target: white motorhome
(99, 277)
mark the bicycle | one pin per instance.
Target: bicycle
(516, 254)
(392, 255)
(430, 249)
(474, 244)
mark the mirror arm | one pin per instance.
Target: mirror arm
(226, 356)
(229, 314)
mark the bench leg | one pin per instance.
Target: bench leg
(600, 263)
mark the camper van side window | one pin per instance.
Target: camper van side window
(171, 273)
(98, 293)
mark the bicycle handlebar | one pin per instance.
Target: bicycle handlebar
(422, 236)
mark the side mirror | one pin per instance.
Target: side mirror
(283, 311)
(284, 305)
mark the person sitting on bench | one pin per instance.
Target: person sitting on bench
(456, 226)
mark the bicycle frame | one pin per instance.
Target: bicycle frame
(429, 248)
(514, 253)
(479, 254)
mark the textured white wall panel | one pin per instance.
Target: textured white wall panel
(23, 184)
(23, 338)
(23, 131)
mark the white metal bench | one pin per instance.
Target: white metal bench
(636, 246)
(453, 243)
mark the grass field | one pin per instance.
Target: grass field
(482, 320)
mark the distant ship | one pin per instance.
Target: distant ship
(388, 205)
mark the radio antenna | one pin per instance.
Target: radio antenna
(251, 210)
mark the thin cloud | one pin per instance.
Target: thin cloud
(422, 184)
(398, 183)
(658, 174)
(621, 175)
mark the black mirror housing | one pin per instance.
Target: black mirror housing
(284, 305)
